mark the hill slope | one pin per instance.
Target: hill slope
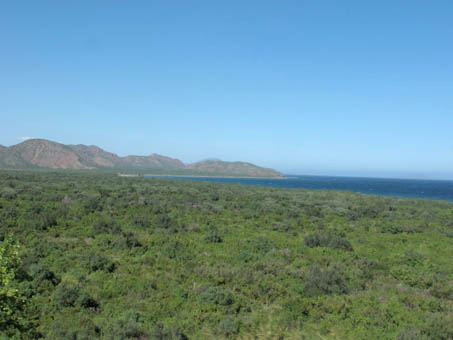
(10, 159)
(232, 169)
(41, 153)
(152, 161)
(44, 154)
(94, 156)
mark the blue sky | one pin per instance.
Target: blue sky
(307, 87)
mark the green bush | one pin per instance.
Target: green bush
(411, 334)
(392, 229)
(325, 281)
(283, 227)
(12, 303)
(229, 326)
(128, 325)
(92, 204)
(96, 261)
(40, 273)
(161, 332)
(127, 240)
(329, 240)
(213, 235)
(172, 249)
(217, 296)
(106, 225)
(75, 328)
(440, 327)
(260, 244)
(68, 295)
(163, 221)
(86, 301)
(141, 221)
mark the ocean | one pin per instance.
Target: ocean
(427, 189)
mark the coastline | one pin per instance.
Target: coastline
(203, 176)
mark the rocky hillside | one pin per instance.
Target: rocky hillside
(93, 156)
(41, 153)
(9, 158)
(44, 154)
(154, 161)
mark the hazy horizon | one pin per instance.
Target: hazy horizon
(316, 88)
(307, 172)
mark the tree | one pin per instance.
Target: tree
(11, 301)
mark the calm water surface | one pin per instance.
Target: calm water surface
(429, 189)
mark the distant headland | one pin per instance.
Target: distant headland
(45, 154)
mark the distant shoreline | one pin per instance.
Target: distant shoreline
(199, 176)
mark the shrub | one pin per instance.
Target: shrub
(12, 303)
(92, 204)
(81, 328)
(447, 232)
(261, 245)
(161, 332)
(86, 301)
(283, 227)
(172, 248)
(313, 211)
(329, 281)
(106, 225)
(217, 296)
(48, 220)
(440, 327)
(328, 240)
(392, 229)
(213, 235)
(66, 295)
(442, 290)
(411, 334)
(367, 268)
(128, 240)
(128, 325)
(413, 258)
(163, 221)
(8, 193)
(40, 273)
(97, 262)
(141, 221)
(7, 212)
(229, 326)
(192, 227)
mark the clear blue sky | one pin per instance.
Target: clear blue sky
(308, 87)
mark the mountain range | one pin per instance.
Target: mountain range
(42, 153)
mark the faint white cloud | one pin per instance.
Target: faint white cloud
(24, 138)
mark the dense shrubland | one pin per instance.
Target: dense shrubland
(95, 256)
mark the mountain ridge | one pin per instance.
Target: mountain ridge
(42, 153)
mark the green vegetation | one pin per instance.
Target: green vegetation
(96, 256)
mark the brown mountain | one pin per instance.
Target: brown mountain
(9, 159)
(94, 156)
(41, 153)
(45, 154)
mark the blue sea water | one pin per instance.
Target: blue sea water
(427, 189)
